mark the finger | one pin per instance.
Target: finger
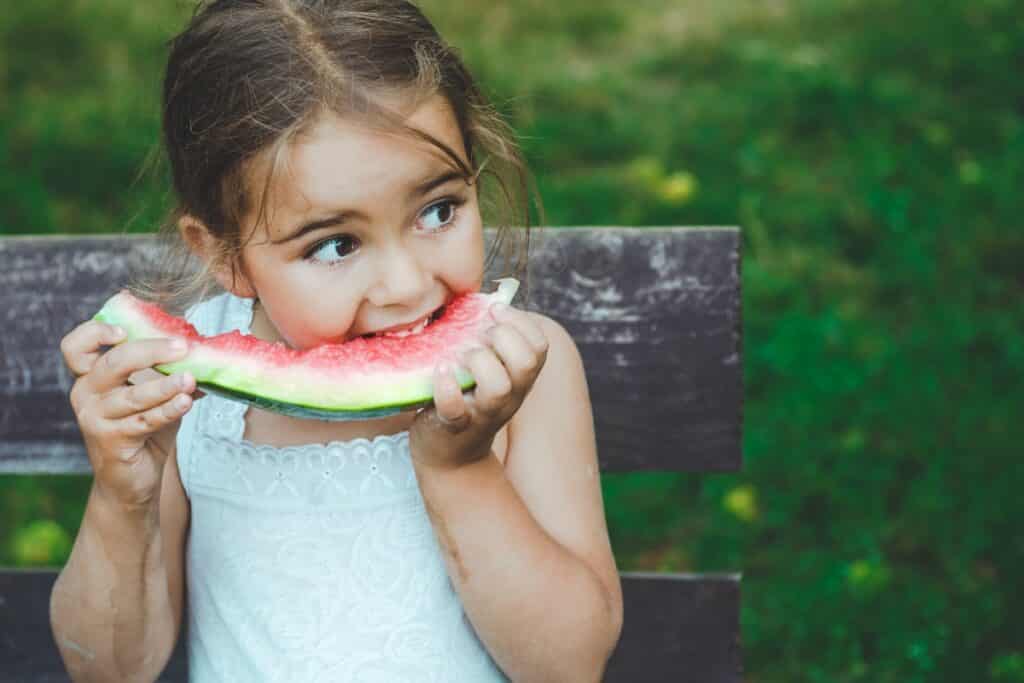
(493, 385)
(154, 419)
(115, 366)
(522, 321)
(138, 398)
(81, 346)
(449, 403)
(519, 357)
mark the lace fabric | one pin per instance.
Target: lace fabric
(312, 563)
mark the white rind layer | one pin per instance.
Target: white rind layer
(356, 391)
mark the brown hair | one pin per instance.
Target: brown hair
(246, 76)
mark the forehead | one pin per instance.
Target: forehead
(337, 163)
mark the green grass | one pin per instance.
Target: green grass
(872, 152)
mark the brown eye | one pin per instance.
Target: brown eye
(440, 214)
(334, 249)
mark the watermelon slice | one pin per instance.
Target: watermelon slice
(361, 378)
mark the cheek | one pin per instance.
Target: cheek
(303, 321)
(466, 258)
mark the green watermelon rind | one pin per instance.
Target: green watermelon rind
(362, 402)
(313, 412)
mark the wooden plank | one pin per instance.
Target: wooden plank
(655, 312)
(682, 628)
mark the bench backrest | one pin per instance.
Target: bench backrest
(655, 312)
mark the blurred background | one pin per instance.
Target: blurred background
(872, 152)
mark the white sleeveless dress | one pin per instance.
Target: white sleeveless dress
(313, 563)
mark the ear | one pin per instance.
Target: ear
(206, 247)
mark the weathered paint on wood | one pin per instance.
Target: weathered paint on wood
(678, 628)
(655, 313)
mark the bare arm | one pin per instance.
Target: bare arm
(116, 606)
(526, 545)
(110, 609)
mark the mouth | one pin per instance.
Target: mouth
(411, 330)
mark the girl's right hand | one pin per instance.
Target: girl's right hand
(119, 421)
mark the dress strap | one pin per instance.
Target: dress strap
(222, 417)
(212, 415)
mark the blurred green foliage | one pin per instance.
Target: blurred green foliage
(872, 152)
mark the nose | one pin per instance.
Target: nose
(400, 278)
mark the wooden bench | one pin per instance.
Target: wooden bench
(655, 312)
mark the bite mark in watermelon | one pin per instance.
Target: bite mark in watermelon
(354, 380)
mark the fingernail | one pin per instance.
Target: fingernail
(117, 332)
(179, 345)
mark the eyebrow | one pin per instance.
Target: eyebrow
(342, 216)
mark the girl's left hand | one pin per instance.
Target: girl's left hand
(460, 428)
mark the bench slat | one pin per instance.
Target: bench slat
(680, 628)
(654, 311)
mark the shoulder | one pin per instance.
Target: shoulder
(559, 401)
(563, 361)
(551, 328)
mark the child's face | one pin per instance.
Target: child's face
(394, 244)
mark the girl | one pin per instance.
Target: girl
(326, 157)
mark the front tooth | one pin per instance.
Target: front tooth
(405, 333)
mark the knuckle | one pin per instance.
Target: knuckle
(98, 428)
(86, 419)
(139, 423)
(134, 398)
(110, 362)
(75, 397)
(502, 387)
(530, 362)
(65, 346)
(168, 412)
(540, 357)
(150, 420)
(172, 383)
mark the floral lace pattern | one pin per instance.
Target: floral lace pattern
(313, 563)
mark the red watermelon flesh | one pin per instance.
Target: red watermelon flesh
(357, 379)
